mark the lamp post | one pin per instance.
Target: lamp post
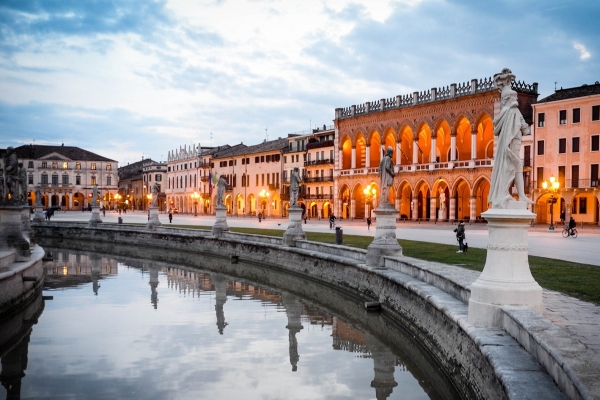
(370, 193)
(264, 196)
(195, 196)
(551, 186)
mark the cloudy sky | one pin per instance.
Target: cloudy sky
(136, 78)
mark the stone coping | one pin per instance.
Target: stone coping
(14, 290)
(446, 288)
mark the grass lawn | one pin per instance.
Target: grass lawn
(578, 280)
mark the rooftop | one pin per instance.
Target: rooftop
(571, 93)
(38, 151)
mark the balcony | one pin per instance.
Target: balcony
(314, 179)
(204, 178)
(318, 145)
(326, 161)
(318, 197)
(204, 165)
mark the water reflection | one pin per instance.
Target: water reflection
(111, 342)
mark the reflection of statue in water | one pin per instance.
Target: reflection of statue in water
(294, 186)
(221, 186)
(11, 171)
(23, 182)
(509, 126)
(155, 192)
(386, 175)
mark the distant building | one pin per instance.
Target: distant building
(153, 173)
(67, 174)
(132, 190)
(567, 148)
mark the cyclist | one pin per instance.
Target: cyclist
(331, 221)
(572, 224)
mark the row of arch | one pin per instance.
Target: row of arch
(68, 201)
(419, 144)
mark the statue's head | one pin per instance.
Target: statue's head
(390, 150)
(296, 169)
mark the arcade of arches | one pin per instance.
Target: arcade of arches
(71, 201)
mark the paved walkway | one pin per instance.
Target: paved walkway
(579, 318)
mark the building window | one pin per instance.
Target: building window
(262, 158)
(594, 175)
(108, 180)
(55, 179)
(65, 179)
(30, 164)
(562, 117)
(158, 177)
(574, 206)
(540, 176)
(108, 166)
(540, 148)
(44, 179)
(77, 165)
(595, 113)
(54, 164)
(30, 181)
(93, 166)
(65, 165)
(574, 176)
(231, 163)
(44, 164)
(575, 145)
(583, 205)
(576, 115)
(595, 143)
(562, 145)
(94, 180)
(78, 180)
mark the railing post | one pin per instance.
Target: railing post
(398, 101)
(473, 86)
(453, 90)
(353, 110)
(415, 97)
(433, 93)
(367, 107)
(382, 105)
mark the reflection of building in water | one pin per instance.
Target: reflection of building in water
(69, 269)
(15, 332)
(293, 308)
(348, 338)
(221, 297)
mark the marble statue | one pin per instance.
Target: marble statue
(386, 175)
(38, 196)
(442, 205)
(155, 192)
(94, 195)
(509, 127)
(221, 186)
(294, 186)
(23, 182)
(11, 171)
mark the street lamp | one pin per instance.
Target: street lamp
(149, 197)
(195, 196)
(370, 193)
(264, 196)
(552, 187)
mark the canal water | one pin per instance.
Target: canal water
(112, 327)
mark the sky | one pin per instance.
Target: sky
(133, 79)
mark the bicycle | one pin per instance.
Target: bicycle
(566, 232)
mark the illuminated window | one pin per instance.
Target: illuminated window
(65, 165)
(108, 167)
(44, 164)
(93, 166)
(78, 165)
(94, 180)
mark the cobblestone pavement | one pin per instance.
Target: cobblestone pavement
(580, 318)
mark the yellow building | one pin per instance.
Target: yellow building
(443, 148)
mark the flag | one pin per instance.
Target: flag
(210, 183)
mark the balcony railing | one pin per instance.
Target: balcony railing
(204, 178)
(318, 145)
(318, 197)
(318, 162)
(572, 184)
(313, 179)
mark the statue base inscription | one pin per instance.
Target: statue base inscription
(294, 230)
(153, 222)
(220, 225)
(385, 242)
(95, 218)
(11, 235)
(506, 279)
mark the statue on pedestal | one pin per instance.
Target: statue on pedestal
(294, 186)
(221, 186)
(94, 195)
(38, 196)
(155, 192)
(23, 183)
(386, 175)
(509, 126)
(11, 172)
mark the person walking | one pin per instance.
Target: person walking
(170, 217)
(368, 223)
(460, 235)
(259, 217)
(331, 221)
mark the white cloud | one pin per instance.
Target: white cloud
(584, 54)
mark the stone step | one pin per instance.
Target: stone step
(7, 257)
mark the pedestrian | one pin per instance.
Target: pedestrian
(148, 215)
(562, 218)
(170, 217)
(103, 212)
(368, 223)
(305, 217)
(331, 221)
(460, 235)
(259, 217)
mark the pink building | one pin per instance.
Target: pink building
(567, 149)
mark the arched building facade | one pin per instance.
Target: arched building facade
(443, 149)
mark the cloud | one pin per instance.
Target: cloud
(584, 54)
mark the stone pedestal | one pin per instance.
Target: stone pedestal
(220, 225)
(294, 230)
(95, 218)
(385, 242)
(506, 278)
(153, 221)
(11, 235)
(39, 214)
